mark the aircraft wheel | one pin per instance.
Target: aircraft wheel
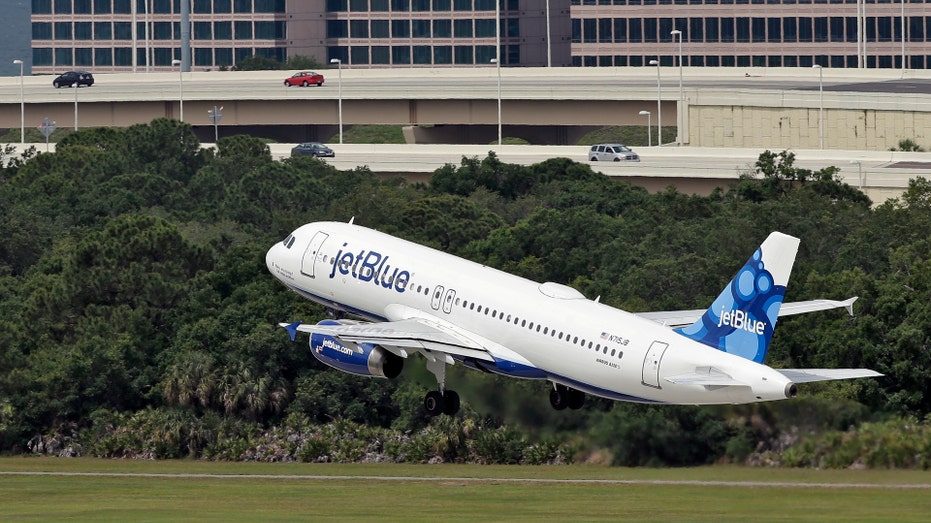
(450, 402)
(433, 403)
(559, 397)
(576, 399)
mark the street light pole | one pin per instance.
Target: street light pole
(659, 107)
(180, 88)
(339, 95)
(649, 128)
(22, 104)
(859, 173)
(820, 104)
(75, 86)
(498, 67)
(679, 108)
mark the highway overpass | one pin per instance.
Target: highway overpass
(755, 108)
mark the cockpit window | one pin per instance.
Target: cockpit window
(289, 241)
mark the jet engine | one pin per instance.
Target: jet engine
(362, 359)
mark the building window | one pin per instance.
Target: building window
(443, 54)
(463, 54)
(62, 7)
(83, 31)
(485, 28)
(484, 53)
(420, 29)
(41, 7)
(336, 28)
(400, 54)
(401, 29)
(223, 56)
(462, 28)
(222, 6)
(121, 7)
(442, 5)
(41, 30)
(422, 54)
(162, 7)
(103, 31)
(442, 28)
(84, 56)
(359, 54)
(103, 57)
(203, 56)
(359, 29)
(201, 6)
(122, 31)
(41, 56)
(63, 56)
(122, 56)
(222, 30)
(381, 54)
(244, 29)
(161, 31)
(380, 29)
(264, 30)
(203, 31)
(379, 6)
(62, 32)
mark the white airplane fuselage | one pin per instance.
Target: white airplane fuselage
(544, 331)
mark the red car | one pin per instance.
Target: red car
(304, 78)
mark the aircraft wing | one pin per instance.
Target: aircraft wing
(811, 375)
(684, 318)
(399, 337)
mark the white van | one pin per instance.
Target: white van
(612, 152)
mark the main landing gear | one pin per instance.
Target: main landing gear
(440, 401)
(562, 396)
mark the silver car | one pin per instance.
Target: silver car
(612, 152)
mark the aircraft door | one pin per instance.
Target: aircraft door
(437, 299)
(651, 363)
(448, 300)
(313, 254)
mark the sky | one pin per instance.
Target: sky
(15, 36)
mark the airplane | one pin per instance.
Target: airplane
(410, 299)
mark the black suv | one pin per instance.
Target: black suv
(74, 77)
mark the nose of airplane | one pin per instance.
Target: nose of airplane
(271, 256)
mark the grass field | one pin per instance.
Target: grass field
(45, 489)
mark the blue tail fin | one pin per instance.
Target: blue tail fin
(742, 318)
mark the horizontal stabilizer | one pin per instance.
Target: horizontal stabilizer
(682, 318)
(812, 375)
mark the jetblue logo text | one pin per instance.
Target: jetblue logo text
(370, 267)
(739, 319)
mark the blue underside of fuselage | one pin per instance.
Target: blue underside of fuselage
(536, 374)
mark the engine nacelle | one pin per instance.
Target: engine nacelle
(363, 359)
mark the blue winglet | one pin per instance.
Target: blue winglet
(292, 329)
